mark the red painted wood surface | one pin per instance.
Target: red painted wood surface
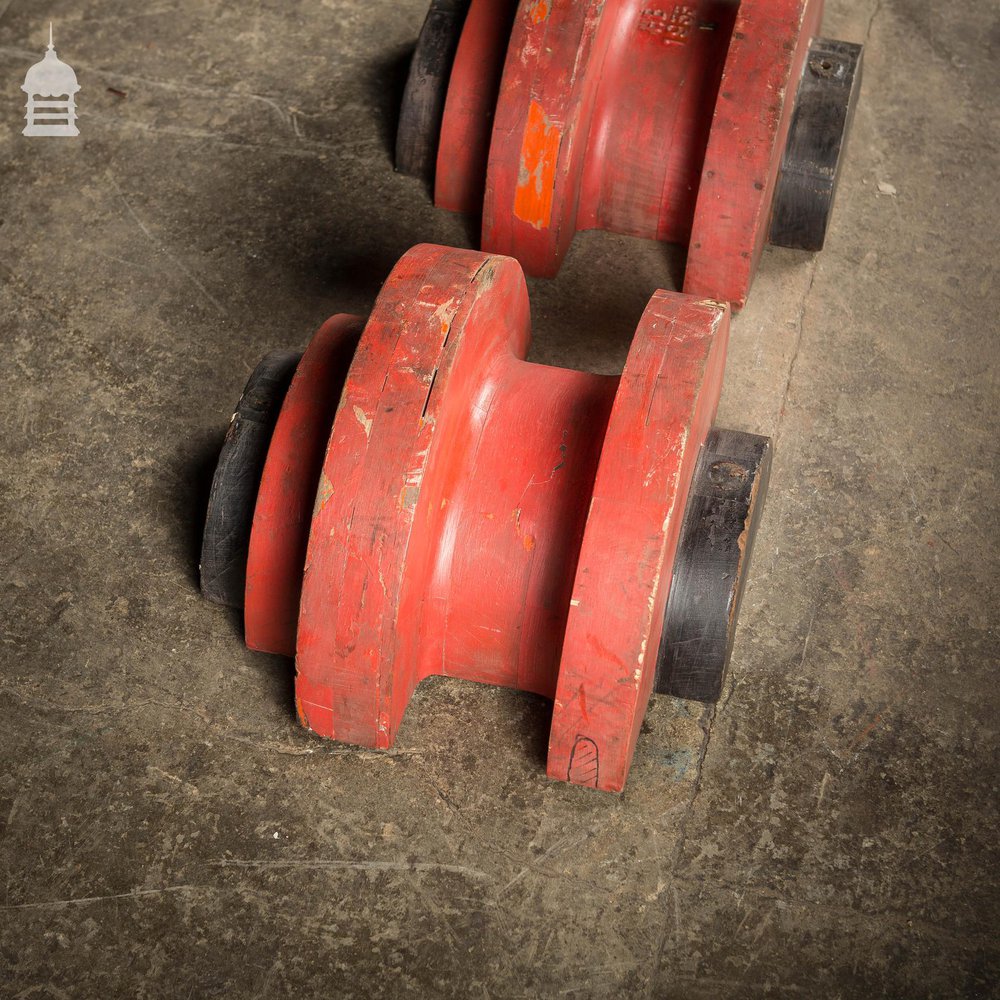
(651, 119)
(287, 491)
(770, 43)
(611, 115)
(460, 488)
(540, 132)
(449, 549)
(460, 175)
(663, 411)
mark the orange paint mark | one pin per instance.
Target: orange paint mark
(528, 542)
(536, 178)
(538, 11)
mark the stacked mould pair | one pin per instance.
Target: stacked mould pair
(411, 497)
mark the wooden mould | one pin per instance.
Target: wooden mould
(418, 499)
(716, 124)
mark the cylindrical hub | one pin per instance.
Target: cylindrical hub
(652, 116)
(508, 527)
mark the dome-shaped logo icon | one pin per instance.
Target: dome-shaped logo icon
(51, 78)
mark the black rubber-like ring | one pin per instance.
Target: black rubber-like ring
(817, 140)
(712, 564)
(233, 496)
(422, 109)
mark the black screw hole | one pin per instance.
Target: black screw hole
(827, 68)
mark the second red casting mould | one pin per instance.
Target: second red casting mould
(718, 124)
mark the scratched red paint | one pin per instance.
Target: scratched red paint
(413, 568)
(743, 157)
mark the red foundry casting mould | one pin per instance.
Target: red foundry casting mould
(718, 124)
(413, 498)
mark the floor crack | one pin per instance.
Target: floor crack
(800, 326)
(707, 724)
(876, 10)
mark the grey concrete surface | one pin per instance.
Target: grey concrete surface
(828, 830)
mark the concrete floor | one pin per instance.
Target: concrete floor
(828, 830)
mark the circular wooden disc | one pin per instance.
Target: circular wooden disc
(752, 116)
(237, 478)
(662, 413)
(406, 405)
(467, 124)
(288, 487)
(426, 87)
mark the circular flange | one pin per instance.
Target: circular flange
(405, 405)
(467, 123)
(712, 565)
(288, 487)
(753, 113)
(426, 88)
(824, 110)
(662, 413)
(237, 478)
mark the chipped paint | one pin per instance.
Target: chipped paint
(409, 496)
(363, 419)
(713, 304)
(323, 493)
(486, 275)
(741, 543)
(527, 539)
(445, 313)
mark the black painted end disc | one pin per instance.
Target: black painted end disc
(817, 138)
(237, 478)
(426, 87)
(711, 565)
